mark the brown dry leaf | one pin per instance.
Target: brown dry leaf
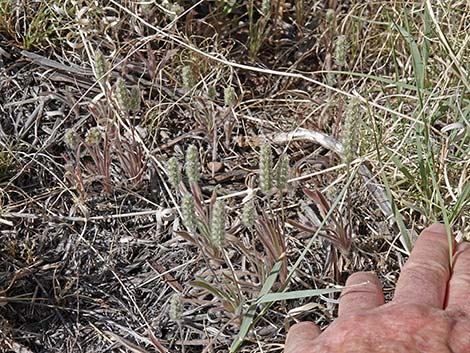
(214, 167)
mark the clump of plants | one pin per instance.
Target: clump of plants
(113, 143)
(207, 225)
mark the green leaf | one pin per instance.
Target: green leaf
(250, 314)
(462, 201)
(401, 167)
(213, 290)
(418, 64)
(274, 297)
(392, 83)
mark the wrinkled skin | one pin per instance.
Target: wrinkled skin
(430, 311)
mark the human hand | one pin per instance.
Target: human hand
(430, 311)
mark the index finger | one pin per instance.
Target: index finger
(300, 337)
(424, 277)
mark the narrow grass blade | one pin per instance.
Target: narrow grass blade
(250, 314)
(401, 167)
(418, 64)
(274, 297)
(207, 286)
(462, 201)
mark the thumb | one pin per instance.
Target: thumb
(300, 337)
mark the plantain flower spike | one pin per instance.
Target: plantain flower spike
(176, 308)
(192, 164)
(188, 210)
(282, 172)
(188, 77)
(265, 7)
(71, 139)
(218, 225)
(134, 99)
(341, 50)
(266, 168)
(230, 96)
(350, 131)
(122, 95)
(174, 172)
(212, 92)
(248, 217)
(101, 65)
(93, 136)
(330, 16)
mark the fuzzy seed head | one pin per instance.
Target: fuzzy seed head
(177, 9)
(187, 76)
(71, 139)
(330, 79)
(174, 9)
(174, 172)
(266, 168)
(266, 7)
(146, 7)
(350, 131)
(282, 172)
(192, 164)
(248, 218)
(176, 308)
(188, 210)
(211, 92)
(330, 16)
(122, 94)
(341, 51)
(218, 225)
(93, 136)
(230, 97)
(101, 65)
(134, 99)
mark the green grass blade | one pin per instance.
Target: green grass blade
(209, 287)
(462, 201)
(392, 83)
(418, 64)
(274, 297)
(445, 217)
(401, 167)
(249, 318)
(405, 235)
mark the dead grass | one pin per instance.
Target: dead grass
(93, 244)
